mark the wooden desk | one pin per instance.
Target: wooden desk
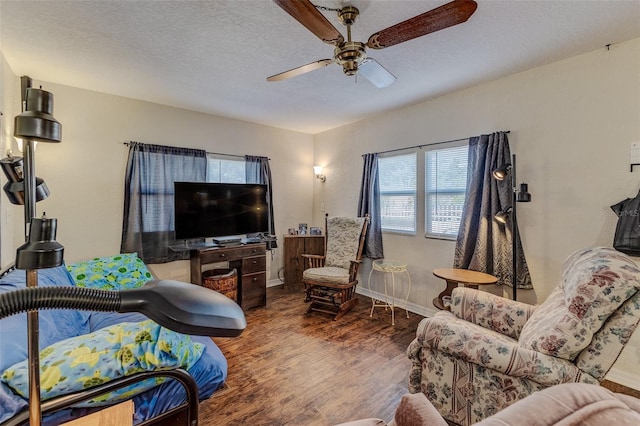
(117, 415)
(453, 277)
(251, 262)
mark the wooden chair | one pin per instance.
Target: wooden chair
(330, 280)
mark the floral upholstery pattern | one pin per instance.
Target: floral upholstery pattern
(472, 362)
(343, 234)
(596, 359)
(594, 284)
(491, 311)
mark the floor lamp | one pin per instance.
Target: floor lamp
(179, 306)
(517, 196)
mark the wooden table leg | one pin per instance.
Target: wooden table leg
(438, 302)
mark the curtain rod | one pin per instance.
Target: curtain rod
(428, 144)
(213, 153)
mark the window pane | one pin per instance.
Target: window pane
(397, 177)
(225, 170)
(445, 187)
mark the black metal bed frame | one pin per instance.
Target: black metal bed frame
(68, 401)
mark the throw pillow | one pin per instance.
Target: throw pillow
(119, 272)
(85, 361)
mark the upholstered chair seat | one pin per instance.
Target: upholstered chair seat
(329, 274)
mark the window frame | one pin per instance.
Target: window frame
(447, 191)
(415, 194)
(227, 159)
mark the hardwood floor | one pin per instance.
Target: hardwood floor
(288, 368)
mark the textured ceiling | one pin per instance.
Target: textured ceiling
(214, 56)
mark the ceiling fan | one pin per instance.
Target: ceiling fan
(352, 55)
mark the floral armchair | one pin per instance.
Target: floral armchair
(490, 352)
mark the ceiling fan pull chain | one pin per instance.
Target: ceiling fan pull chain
(325, 8)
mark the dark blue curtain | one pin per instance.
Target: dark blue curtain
(369, 202)
(258, 171)
(484, 244)
(148, 221)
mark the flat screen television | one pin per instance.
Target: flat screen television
(208, 210)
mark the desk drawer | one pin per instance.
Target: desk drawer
(214, 256)
(251, 265)
(255, 250)
(254, 290)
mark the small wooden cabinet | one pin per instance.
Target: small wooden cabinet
(294, 247)
(251, 262)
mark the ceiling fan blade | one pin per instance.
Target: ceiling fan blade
(378, 75)
(448, 15)
(300, 70)
(306, 13)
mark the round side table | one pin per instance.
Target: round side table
(389, 267)
(453, 277)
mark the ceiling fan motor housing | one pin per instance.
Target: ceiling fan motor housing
(348, 14)
(350, 54)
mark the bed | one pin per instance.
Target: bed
(58, 327)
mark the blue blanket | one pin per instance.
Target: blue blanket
(210, 371)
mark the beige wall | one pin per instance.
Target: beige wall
(85, 172)
(9, 106)
(571, 126)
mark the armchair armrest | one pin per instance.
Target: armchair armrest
(353, 269)
(313, 260)
(487, 348)
(490, 311)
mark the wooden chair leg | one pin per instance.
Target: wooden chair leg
(345, 307)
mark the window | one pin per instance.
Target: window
(445, 187)
(225, 170)
(397, 178)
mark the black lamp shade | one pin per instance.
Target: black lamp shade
(36, 122)
(42, 250)
(15, 191)
(501, 172)
(503, 215)
(523, 194)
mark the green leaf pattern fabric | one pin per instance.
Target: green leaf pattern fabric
(118, 272)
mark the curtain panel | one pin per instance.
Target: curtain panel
(258, 171)
(484, 244)
(148, 220)
(369, 203)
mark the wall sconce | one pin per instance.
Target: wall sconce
(318, 171)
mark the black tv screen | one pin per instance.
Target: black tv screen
(204, 210)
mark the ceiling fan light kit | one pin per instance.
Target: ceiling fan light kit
(352, 55)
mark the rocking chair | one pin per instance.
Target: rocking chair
(330, 280)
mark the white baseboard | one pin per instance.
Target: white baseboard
(274, 282)
(624, 378)
(399, 303)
